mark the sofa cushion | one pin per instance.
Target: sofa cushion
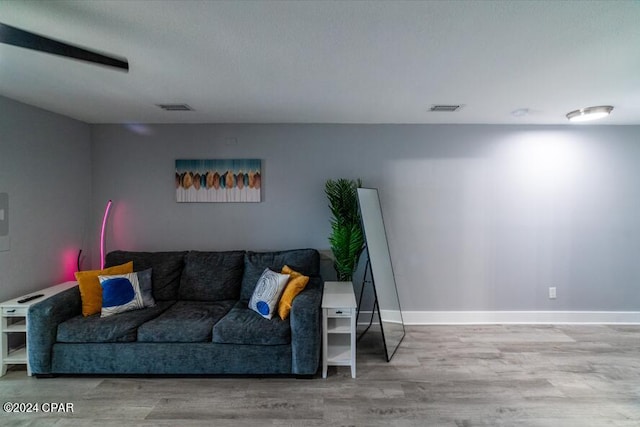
(186, 321)
(211, 276)
(305, 261)
(244, 326)
(120, 328)
(167, 269)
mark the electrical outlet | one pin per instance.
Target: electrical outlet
(552, 292)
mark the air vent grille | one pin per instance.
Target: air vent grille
(445, 108)
(175, 107)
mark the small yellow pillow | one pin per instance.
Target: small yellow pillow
(90, 289)
(295, 285)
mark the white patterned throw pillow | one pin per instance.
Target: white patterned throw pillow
(264, 300)
(120, 293)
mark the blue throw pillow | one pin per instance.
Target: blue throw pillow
(120, 293)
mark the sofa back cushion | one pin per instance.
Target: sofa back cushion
(211, 276)
(305, 261)
(166, 269)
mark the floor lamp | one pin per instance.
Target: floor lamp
(102, 230)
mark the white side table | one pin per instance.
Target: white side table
(13, 320)
(338, 326)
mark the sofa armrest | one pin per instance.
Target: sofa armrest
(42, 327)
(306, 333)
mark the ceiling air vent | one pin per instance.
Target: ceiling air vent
(175, 107)
(445, 108)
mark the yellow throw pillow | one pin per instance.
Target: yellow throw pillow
(90, 289)
(295, 285)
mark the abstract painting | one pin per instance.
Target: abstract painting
(218, 180)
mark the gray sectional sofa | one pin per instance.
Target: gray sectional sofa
(201, 324)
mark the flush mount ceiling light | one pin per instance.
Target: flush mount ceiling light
(589, 113)
(175, 107)
(449, 108)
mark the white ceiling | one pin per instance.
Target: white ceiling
(330, 61)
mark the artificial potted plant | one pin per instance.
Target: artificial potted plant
(346, 239)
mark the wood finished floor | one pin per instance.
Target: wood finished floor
(454, 376)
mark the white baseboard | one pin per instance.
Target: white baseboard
(515, 317)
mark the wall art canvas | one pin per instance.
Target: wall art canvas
(218, 180)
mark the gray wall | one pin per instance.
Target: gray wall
(44, 167)
(477, 217)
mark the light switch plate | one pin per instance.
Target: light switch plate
(4, 214)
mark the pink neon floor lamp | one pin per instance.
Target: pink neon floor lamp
(102, 230)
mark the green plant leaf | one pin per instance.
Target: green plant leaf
(346, 239)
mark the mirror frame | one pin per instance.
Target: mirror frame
(377, 235)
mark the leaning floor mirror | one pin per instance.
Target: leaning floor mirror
(382, 278)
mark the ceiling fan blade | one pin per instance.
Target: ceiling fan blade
(17, 37)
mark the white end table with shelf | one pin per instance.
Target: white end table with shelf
(13, 320)
(338, 326)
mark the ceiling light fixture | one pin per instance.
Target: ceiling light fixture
(175, 107)
(589, 113)
(450, 108)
